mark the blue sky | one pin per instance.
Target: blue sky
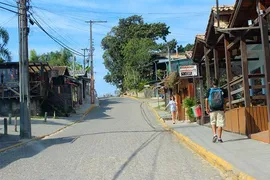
(65, 19)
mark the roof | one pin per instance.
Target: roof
(78, 73)
(62, 70)
(189, 54)
(200, 37)
(198, 50)
(225, 13)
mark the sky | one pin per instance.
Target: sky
(65, 20)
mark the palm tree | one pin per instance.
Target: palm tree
(4, 52)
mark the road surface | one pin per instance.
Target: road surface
(121, 139)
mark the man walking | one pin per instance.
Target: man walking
(215, 107)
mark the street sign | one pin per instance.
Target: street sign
(188, 70)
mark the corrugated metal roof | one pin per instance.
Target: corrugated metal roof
(78, 73)
(61, 70)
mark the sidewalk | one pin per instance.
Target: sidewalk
(41, 128)
(246, 155)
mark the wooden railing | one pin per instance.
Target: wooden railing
(238, 89)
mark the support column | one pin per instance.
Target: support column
(266, 53)
(207, 68)
(216, 63)
(202, 96)
(228, 70)
(243, 47)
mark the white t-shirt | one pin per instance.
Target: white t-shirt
(172, 105)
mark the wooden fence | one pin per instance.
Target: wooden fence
(247, 120)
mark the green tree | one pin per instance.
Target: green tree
(119, 54)
(33, 56)
(188, 47)
(5, 55)
(180, 49)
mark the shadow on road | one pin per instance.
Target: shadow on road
(132, 156)
(30, 150)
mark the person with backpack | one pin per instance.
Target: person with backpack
(172, 103)
(215, 108)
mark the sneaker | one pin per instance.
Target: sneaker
(220, 140)
(215, 138)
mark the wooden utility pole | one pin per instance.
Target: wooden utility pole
(84, 62)
(74, 69)
(92, 84)
(25, 121)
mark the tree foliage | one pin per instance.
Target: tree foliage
(129, 51)
(5, 55)
(55, 58)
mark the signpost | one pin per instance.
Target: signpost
(188, 71)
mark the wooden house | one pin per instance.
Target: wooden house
(238, 36)
(10, 90)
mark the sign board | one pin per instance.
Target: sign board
(188, 70)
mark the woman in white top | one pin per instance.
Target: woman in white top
(173, 106)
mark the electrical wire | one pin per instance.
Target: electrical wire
(55, 31)
(1, 7)
(7, 21)
(8, 5)
(54, 38)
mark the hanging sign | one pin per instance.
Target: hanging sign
(188, 70)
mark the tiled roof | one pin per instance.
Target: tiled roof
(200, 36)
(223, 8)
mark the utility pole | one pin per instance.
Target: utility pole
(25, 121)
(169, 58)
(74, 59)
(92, 83)
(84, 62)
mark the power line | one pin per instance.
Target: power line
(7, 21)
(54, 38)
(1, 7)
(55, 31)
(8, 5)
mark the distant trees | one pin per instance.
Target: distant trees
(182, 49)
(5, 55)
(55, 58)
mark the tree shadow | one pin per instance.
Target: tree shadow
(30, 150)
(133, 155)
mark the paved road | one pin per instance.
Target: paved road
(119, 140)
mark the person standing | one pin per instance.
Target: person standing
(215, 108)
(172, 103)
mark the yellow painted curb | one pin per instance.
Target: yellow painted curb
(216, 161)
(43, 136)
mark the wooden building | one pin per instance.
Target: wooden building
(238, 36)
(9, 87)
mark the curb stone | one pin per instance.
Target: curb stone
(47, 135)
(228, 170)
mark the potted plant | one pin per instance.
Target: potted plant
(188, 103)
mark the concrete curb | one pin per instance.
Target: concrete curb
(47, 135)
(228, 170)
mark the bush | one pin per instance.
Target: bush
(188, 103)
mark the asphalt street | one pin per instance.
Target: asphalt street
(121, 139)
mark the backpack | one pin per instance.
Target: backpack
(216, 99)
